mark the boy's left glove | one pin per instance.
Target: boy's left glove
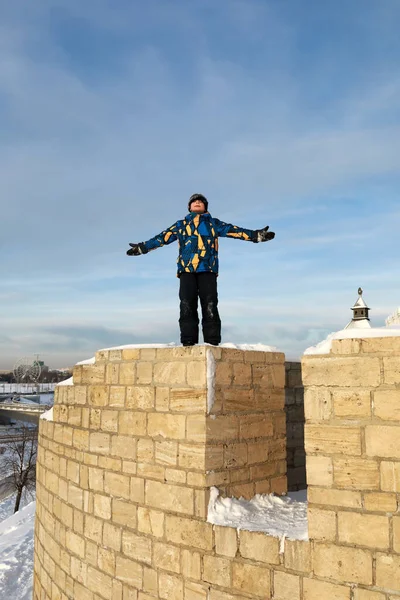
(263, 235)
(136, 250)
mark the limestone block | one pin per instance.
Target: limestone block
(170, 587)
(145, 450)
(90, 374)
(325, 439)
(297, 556)
(269, 399)
(170, 373)
(166, 453)
(387, 404)
(360, 371)
(321, 524)
(319, 470)
(223, 428)
(188, 532)
(162, 399)
(318, 590)
(102, 506)
(196, 374)
(117, 485)
(106, 562)
(346, 346)
(360, 594)
(99, 582)
(136, 546)
(388, 571)
(259, 547)
(196, 428)
(192, 456)
(110, 463)
(226, 541)
(75, 543)
(93, 530)
(141, 397)
(331, 497)
(169, 497)
(99, 443)
(356, 473)
(235, 455)
(354, 404)
(317, 404)
(195, 591)
(75, 416)
(124, 513)
(390, 476)
(131, 353)
(112, 537)
(167, 557)
(170, 426)
(190, 564)
(188, 400)
(150, 580)
(132, 423)
(109, 421)
(123, 446)
(94, 418)
(129, 572)
(391, 369)
(251, 579)
(151, 471)
(349, 565)
(382, 441)
(269, 375)
(363, 530)
(81, 439)
(217, 570)
(396, 534)
(255, 426)
(98, 395)
(128, 373)
(79, 570)
(380, 502)
(112, 373)
(150, 522)
(286, 586)
(75, 496)
(223, 373)
(117, 396)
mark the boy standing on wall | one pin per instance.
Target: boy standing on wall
(198, 235)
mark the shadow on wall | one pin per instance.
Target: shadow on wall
(294, 408)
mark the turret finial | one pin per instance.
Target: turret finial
(360, 291)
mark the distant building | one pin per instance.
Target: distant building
(360, 310)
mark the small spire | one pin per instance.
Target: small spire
(360, 313)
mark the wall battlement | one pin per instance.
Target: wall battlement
(125, 467)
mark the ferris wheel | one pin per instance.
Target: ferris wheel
(27, 370)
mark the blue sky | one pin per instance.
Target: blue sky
(112, 114)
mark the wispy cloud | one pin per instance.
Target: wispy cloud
(112, 115)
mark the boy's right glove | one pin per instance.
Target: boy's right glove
(263, 235)
(136, 250)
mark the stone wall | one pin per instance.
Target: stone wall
(124, 471)
(294, 407)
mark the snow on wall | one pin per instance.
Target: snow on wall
(325, 346)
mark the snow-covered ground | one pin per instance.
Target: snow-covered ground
(16, 554)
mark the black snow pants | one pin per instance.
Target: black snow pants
(192, 287)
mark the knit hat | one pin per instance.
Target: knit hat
(198, 197)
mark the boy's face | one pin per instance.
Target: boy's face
(197, 206)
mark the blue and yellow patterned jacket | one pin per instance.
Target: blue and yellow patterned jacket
(198, 235)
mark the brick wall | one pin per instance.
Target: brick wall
(125, 466)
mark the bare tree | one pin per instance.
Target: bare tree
(20, 460)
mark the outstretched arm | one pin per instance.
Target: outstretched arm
(240, 233)
(164, 238)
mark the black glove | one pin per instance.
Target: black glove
(263, 235)
(136, 250)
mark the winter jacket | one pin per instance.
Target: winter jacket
(198, 235)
